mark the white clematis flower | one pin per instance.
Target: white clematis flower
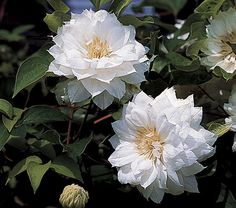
(101, 53)
(221, 42)
(159, 144)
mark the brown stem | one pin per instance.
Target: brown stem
(2, 9)
(85, 118)
(68, 138)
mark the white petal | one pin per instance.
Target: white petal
(103, 100)
(77, 92)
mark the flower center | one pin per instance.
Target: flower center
(97, 48)
(149, 143)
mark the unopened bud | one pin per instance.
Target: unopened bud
(74, 196)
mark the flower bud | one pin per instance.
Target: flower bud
(74, 196)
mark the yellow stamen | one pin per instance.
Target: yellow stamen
(97, 48)
(149, 143)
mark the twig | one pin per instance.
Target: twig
(68, 138)
(102, 118)
(2, 9)
(85, 118)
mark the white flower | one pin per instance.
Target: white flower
(159, 144)
(221, 42)
(101, 53)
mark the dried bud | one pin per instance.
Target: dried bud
(74, 196)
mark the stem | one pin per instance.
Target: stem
(85, 118)
(2, 9)
(68, 138)
(27, 99)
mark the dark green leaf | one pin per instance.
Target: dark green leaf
(77, 148)
(136, 22)
(42, 146)
(4, 135)
(198, 31)
(22, 28)
(154, 42)
(42, 114)
(32, 70)
(67, 167)
(55, 20)
(193, 50)
(59, 5)
(51, 136)
(99, 3)
(159, 63)
(10, 123)
(36, 172)
(178, 60)
(173, 6)
(118, 6)
(6, 108)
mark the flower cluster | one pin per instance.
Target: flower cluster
(159, 144)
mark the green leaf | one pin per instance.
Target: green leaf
(222, 73)
(22, 29)
(159, 63)
(42, 146)
(193, 50)
(4, 135)
(36, 172)
(198, 31)
(55, 20)
(218, 128)
(99, 3)
(173, 6)
(6, 108)
(22, 166)
(10, 123)
(178, 60)
(191, 77)
(42, 114)
(67, 167)
(9, 36)
(209, 7)
(59, 5)
(76, 149)
(154, 42)
(32, 70)
(51, 136)
(173, 44)
(117, 7)
(136, 22)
